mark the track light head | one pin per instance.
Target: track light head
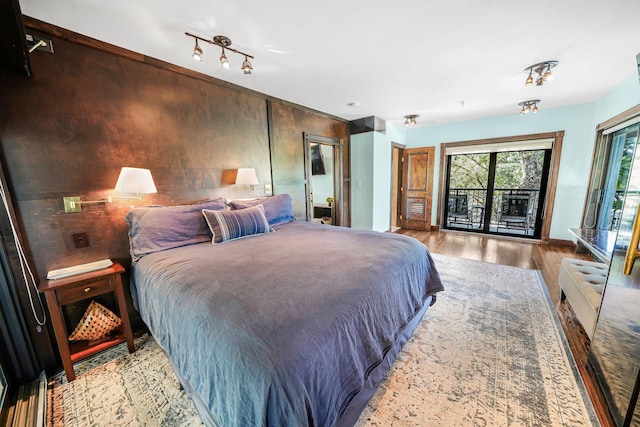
(529, 81)
(246, 66)
(224, 61)
(197, 52)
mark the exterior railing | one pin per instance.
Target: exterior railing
(476, 200)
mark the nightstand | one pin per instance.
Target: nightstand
(78, 288)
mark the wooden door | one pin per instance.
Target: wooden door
(417, 188)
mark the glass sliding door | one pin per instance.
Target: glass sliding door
(467, 184)
(611, 196)
(499, 192)
(519, 183)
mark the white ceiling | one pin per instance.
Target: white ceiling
(447, 61)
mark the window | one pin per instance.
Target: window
(615, 145)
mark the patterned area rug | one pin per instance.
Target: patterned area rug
(490, 352)
(116, 388)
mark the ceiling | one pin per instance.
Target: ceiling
(447, 61)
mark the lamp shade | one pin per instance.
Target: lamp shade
(135, 180)
(247, 176)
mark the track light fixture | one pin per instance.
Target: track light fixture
(224, 43)
(527, 106)
(411, 119)
(542, 69)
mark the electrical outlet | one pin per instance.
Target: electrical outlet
(267, 188)
(38, 43)
(81, 240)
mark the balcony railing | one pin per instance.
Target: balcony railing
(477, 201)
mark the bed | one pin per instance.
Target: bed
(294, 325)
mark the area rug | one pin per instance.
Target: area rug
(490, 352)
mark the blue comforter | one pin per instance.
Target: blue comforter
(283, 329)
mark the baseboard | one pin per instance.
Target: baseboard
(561, 242)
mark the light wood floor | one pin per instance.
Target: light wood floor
(526, 255)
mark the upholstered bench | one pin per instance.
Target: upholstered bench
(581, 282)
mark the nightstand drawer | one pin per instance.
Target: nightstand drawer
(78, 293)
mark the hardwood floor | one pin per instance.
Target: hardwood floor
(526, 255)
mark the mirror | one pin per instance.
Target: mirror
(323, 160)
(322, 182)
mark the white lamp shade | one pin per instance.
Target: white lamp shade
(135, 180)
(247, 176)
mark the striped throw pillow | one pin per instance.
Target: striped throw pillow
(229, 225)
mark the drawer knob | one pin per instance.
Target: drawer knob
(87, 289)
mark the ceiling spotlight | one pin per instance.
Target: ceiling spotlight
(224, 61)
(542, 69)
(197, 52)
(224, 43)
(246, 66)
(411, 119)
(527, 106)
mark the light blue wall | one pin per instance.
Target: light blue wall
(382, 182)
(396, 133)
(371, 181)
(578, 123)
(577, 147)
(362, 181)
(621, 98)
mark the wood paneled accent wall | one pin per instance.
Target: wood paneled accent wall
(92, 108)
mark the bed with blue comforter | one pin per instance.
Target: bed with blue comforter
(294, 326)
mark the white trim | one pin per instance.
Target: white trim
(531, 144)
(626, 123)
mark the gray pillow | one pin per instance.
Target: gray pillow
(158, 228)
(278, 209)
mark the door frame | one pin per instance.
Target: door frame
(336, 143)
(396, 190)
(552, 180)
(599, 162)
